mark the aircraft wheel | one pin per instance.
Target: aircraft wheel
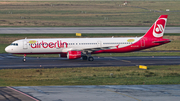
(84, 57)
(90, 59)
(24, 59)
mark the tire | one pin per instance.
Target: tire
(24, 59)
(84, 57)
(90, 59)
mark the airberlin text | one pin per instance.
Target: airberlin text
(42, 44)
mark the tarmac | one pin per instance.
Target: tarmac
(8, 61)
(95, 93)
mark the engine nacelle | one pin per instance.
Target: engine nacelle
(74, 54)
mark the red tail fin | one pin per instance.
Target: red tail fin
(157, 29)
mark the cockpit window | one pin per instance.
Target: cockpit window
(14, 44)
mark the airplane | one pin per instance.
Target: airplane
(75, 48)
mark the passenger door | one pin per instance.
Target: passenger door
(25, 45)
(142, 43)
(99, 44)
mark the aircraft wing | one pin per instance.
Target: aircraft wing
(98, 48)
(89, 50)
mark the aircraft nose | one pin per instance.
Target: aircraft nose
(7, 49)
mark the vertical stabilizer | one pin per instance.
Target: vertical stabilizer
(157, 29)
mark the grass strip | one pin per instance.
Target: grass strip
(2, 48)
(128, 75)
(139, 54)
(86, 13)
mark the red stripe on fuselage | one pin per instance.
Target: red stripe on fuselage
(143, 43)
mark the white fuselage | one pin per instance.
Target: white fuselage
(58, 45)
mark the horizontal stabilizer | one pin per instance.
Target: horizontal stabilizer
(165, 41)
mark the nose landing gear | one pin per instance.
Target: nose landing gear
(24, 59)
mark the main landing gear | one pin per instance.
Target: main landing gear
(84, 57)
(24, 59)
(89, 58)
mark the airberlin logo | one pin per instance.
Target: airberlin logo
(159, 27)
(42, 44)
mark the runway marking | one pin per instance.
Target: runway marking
(121, 60)
(124, 95)
(22, 93)
(125, 61)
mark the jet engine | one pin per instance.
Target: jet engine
(74, 54)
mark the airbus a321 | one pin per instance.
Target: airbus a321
(74, 48)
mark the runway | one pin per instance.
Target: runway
(95, 93)
(84, 30)
(13, 62)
